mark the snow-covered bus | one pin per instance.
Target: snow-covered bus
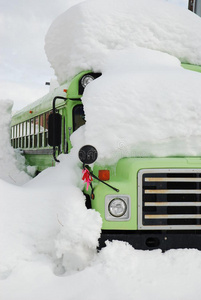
(150, 202)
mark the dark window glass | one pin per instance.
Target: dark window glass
(78, 116)
(41, 123)
(31, 126)
(40, 139)
(35, 140)
(46, 139)
(27, 142)
(22, 142)
(31, 141)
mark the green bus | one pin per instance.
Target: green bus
(150, 202)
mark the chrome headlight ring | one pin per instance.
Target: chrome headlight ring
(86, 80)
(117, 207)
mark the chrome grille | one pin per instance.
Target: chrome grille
(169, 199)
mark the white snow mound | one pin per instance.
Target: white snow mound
(144, 104)
(12, 164)
(80, 38)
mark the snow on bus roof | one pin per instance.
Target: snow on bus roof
(39, 106)
(81, 37)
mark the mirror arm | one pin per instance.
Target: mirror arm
(91, 173)
(54, 112)
(116, 190)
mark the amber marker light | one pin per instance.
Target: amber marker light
(104, 175)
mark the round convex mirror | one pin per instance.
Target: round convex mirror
(88, 154)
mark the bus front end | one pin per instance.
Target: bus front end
(158, 204)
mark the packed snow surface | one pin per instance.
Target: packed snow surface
(81, 37)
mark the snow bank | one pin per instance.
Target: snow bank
(12, 164)
(80, 38)
(118, 272)
(151, 274)
(47, 219)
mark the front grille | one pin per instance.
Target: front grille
(169, 199)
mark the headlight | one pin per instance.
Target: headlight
(117, 207)
(86, 80)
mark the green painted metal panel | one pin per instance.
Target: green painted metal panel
(73, 89)
(41, 162)
(194, 68)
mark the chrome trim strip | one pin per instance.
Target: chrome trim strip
(172, 204)
(172, 216)
(174, 179)
(172, 191)
(170, 227)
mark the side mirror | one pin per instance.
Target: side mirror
(54, 129)
(88, 154)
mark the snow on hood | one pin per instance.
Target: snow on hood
(80, 38)
(144, 104)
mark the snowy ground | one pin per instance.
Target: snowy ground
(48, 238)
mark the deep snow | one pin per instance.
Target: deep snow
(81, 37)
(12, 164)
(48, 237)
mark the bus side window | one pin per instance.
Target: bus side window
(24, 135)
(27, 135)
(35, 132)
(17, 135)
(64, 140)
(46, 128)
(31, 130)
(12, 137)
(41, 130)
(78, 116)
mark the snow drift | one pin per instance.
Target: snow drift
(46, 218)
(12, 164)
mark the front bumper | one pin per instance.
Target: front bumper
(146, 240)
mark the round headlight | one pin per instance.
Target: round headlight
(117, 207)
(86, 80)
